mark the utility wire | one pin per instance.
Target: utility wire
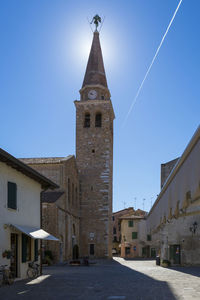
(157, 51)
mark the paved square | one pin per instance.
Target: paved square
(109, 280)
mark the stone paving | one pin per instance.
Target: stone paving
(109, 280)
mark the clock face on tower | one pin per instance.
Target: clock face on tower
(92, 94)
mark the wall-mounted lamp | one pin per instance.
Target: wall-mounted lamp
(193, 228)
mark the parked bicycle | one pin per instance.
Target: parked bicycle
(6, 276)
(33, 270)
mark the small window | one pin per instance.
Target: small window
(12, 195)
(114, 230)
(115, 239)
(134, 235)
(130, 223)
(148, 237)
(93, 151)
(127, 250)
(87, 120)
(102, 97)
(98, 120)
(113, 218)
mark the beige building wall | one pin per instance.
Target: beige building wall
(177, 208)
(130, 243)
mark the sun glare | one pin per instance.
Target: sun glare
(80, 45)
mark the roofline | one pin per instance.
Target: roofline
(122, 210)
(59, 160)
(131, 217)
(26, 170)
(193, 141)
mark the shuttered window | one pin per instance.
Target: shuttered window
(148, 237)
(12, 195)
(130, 223)
(134, 235)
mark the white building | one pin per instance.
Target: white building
(20, 214)
(173, 223)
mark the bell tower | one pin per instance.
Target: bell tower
(94, 156)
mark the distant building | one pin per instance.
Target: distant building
(116, 228)
(166, 169)
(130, 236)
(20, 214)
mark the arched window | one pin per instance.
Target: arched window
(87, 120)
(69, 191)
(98, 120)
(74, 230)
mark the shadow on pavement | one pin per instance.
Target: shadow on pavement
(194, 271)
(109, 280)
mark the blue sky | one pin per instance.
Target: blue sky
(43, 56)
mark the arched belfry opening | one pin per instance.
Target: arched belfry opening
(98, 119)
(87, 120)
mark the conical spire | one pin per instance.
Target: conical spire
(95, 72)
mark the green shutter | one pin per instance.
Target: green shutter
(24, 247)
(36, 249)
(148, 237)
(134, 235)
(12, 195)
(130, 223)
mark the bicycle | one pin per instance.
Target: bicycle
(33, 270)
(6, 276)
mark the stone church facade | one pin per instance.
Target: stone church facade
(79, 213)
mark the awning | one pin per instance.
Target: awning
(35, 233)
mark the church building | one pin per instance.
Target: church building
(80, 210)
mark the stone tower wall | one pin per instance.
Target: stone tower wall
(94, 155)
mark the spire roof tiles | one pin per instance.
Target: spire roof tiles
(95, 72)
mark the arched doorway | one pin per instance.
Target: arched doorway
(75, 252)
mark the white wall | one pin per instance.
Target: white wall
(27, 212)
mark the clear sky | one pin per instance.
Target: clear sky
(43, 55)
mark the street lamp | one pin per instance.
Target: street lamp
(193, 228)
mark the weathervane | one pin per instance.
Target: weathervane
(96, 20)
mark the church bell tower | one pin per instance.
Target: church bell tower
(94, 156)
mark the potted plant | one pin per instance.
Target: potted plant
(165, 263)
(7, 254)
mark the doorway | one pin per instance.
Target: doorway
(91, 249)
(14, 254)
(75, 252)
(175, 255)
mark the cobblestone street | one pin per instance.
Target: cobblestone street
(117, 279)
